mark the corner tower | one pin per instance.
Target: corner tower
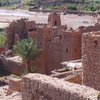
(54, 19)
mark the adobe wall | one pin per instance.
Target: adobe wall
(91, 59)
(42, 87)
(91, 28)
(10, 35)
(41, 67)
(70, 76)
(76, 45)
(71, 46)
(14, 67)
(54, 20)
(67, 46)
(56, 43)
(22, 29)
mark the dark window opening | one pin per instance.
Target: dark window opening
(66, 49)
(30, 30)
(55, 23)
(95, 43)
(75, 49)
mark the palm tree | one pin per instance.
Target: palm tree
(28, 50)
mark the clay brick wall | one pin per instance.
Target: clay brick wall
(14, 67)
(70, 76)
(11, 35)
(67, 46)
(57, 55)
(32, 35)
(91, 28)
(74, 79)
(16, 31)
(31, 25)
(54, 20)
(71, 45)
(91, 59)
(42, 87)
(76, 45)
(40, 36)
(22, 29)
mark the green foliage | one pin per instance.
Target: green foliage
(3, 40)
(72, 7)
(27, 49)
(92, 8)
(84, 5)
(8, 2)
(32, 3)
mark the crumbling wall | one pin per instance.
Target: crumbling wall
(42, 87)
(12, 66)
(91, 59)
(11, 35)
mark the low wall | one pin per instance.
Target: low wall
(70, 76)
(42, 87)
(14, 67)
(11, 66)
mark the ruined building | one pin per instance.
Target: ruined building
(58, 43)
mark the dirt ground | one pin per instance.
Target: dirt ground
(71, 20)
(4, 87)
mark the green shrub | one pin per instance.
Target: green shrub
(28, 50)
(3, 40)
(72, 8)
(92, 8)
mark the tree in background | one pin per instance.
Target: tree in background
(28, 50)
(3, 39)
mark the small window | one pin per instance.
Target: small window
(55, 23)
(75, 49)
(66, 49)
(95, 43)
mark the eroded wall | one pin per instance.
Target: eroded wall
(91, 59)
(42, 87)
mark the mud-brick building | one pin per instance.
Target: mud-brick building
(91, 59)
(58, 43)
